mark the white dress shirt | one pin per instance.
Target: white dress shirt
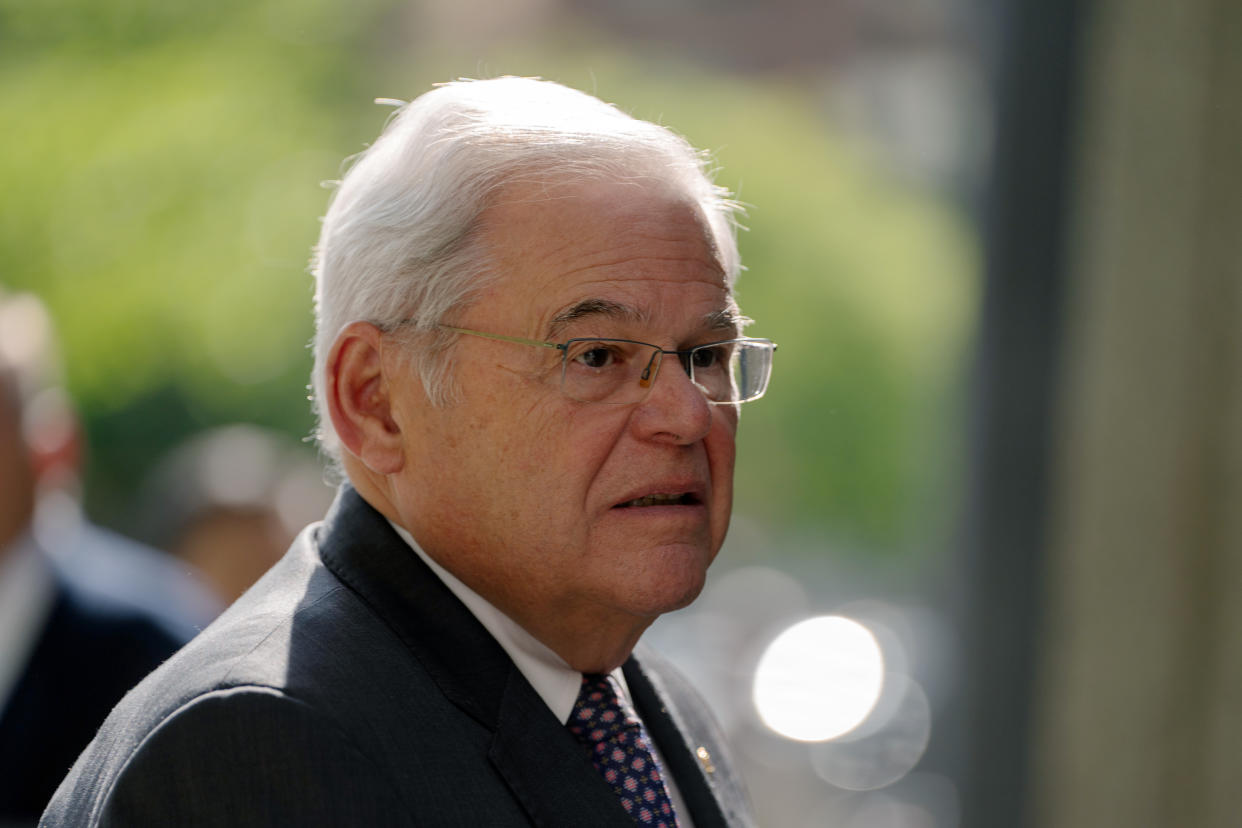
(553, 679)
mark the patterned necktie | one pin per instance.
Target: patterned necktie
(621, 752)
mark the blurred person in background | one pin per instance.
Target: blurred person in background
(529, 365)
(68, 652)
(229, 501)
(86, 555)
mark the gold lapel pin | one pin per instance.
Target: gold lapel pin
(705, 759)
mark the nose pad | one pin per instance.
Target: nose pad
(687, 364)
(677, 412)
(649, 373)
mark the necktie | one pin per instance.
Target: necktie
(621, 752)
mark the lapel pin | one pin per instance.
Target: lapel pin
(705, 759)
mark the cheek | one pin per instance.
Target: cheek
(579, 450)
(721, 453)
(722, 447)
(544, 462)
(572, 452)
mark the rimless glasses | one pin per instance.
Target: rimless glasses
(622, 371)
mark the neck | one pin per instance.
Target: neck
(588, 638)
(588, 645)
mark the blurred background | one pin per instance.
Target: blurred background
(985, 567)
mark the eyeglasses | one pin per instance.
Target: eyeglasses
(622, 371)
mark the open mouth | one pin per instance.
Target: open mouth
(683, 499)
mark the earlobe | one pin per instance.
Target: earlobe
(54, 437)
(359, 399)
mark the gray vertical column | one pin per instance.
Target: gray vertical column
(1015, 383)
(1140, 685)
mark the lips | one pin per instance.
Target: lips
(683, 499)
(664, 491)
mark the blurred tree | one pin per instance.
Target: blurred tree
(163, 182)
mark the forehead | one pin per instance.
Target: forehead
(628, 252)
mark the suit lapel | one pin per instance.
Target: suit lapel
(546, 768)
(538, 758)
(360, 547)
(657, 713)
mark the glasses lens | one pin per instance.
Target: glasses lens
(732, 372)
(754, 369)
(621, 372)
(608, 370)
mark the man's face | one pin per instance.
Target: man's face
(529, 496)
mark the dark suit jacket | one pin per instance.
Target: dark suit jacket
(90, 652)
(351, 687)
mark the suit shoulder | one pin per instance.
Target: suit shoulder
(250, 643)
(244, 755)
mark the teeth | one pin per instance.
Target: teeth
(655, 500)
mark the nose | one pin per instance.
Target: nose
(675, 409)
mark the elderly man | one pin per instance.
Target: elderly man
(529, 363)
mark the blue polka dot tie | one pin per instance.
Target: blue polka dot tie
(621, 752)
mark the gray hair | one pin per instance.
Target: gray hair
(401, 240)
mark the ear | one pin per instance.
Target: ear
(54, 438)
(359, 399)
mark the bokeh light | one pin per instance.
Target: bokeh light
(819, 679)
(887, 746)
(887, 812)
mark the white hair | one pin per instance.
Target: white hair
(401, 239)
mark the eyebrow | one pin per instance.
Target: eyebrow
(725, 319)
(594, 308)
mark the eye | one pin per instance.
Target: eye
(709, 357)
(597, 357)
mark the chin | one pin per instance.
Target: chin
(672, 583)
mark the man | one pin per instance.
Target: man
(530, 485)
(68, 652)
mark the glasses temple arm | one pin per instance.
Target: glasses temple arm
(514, 339)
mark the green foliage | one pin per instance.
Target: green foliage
(162, 176)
